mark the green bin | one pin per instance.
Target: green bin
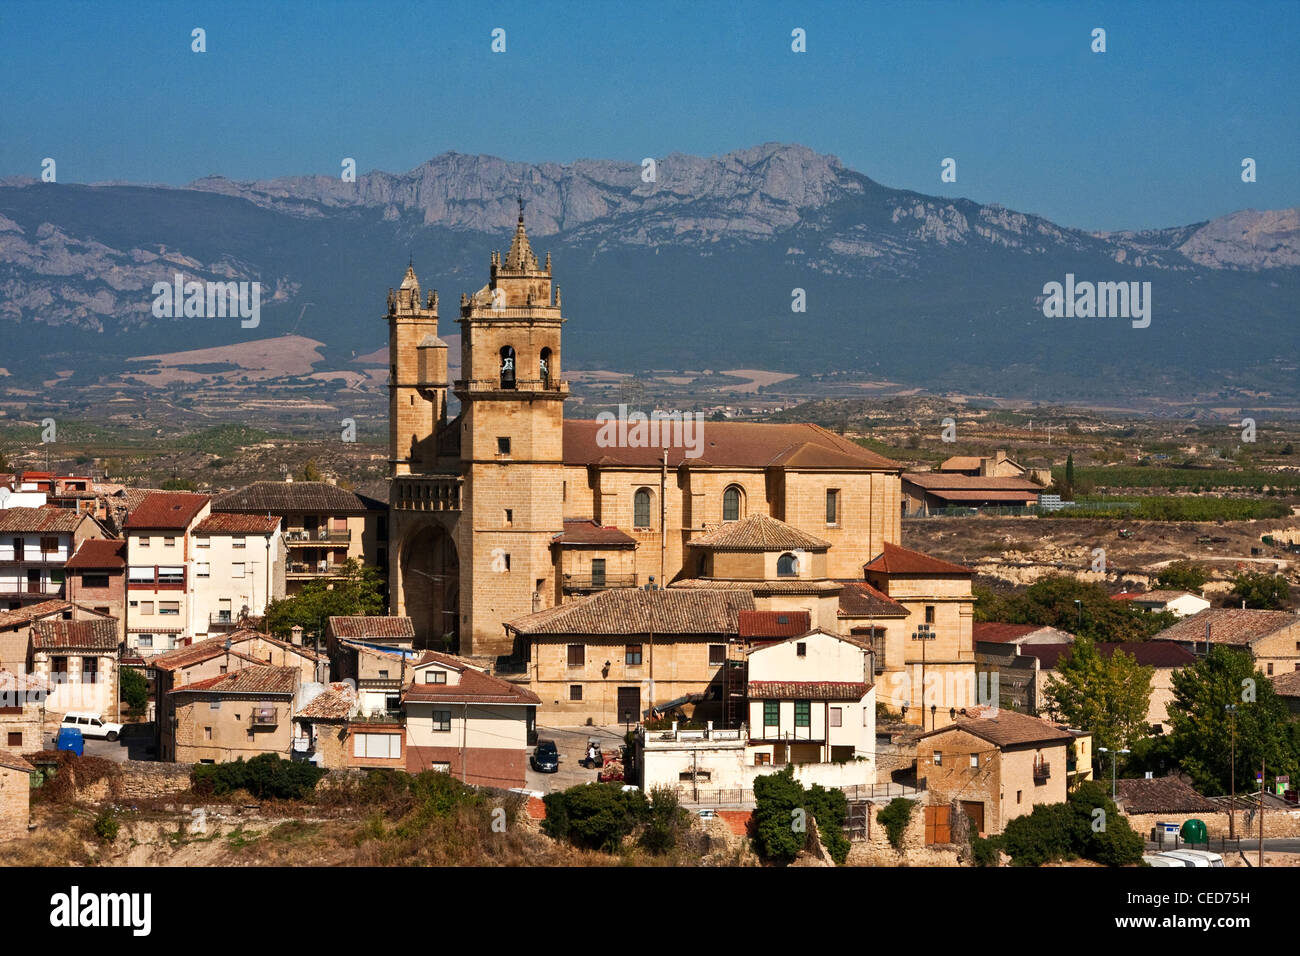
(1194, 832)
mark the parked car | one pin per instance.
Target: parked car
(1188, 857)
(70, 738)
(545, 758)
(1205, 856)
(91, 724)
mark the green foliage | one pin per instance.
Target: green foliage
(594, 816)
(666, 823)
(1050, 602)
(985, 850)
(1183, 576)
(265, 775)
(225, 440)
(310, 472)
(106, 825)
(1109, 697)
(1201, 738)
(830, 808)
(1108, 839)
(178, 484)
(1133, 476)
(781, 800)
(1051, 832)
(135, 690)
(894, 818)
(358, 591)
(1261, 590)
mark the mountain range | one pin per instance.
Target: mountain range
(697, 268)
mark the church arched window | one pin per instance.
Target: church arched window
(731, 504)
(507, 367)
(641, 508)
(544, 368)
(787, 566)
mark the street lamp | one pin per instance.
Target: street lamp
(924, 633)
(1114, 760)
(1079, 605)
(1231, 710)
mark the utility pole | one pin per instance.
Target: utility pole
(1261, 813)
(1232, 751)
(663, 521)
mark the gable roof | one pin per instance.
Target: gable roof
(1146, 653)
(210, 647)
(953, 481)
(473, 687)
(896, 560)
(860, 599)
(1160, 795)
(1228, 625)
(729, 444)
(585, 531)
(166, 511)
(262, 679)
(1153, 597)
(770, 625)
(630, 611)
(95, 634)
(12, 761)
(758, 532)
(999, 632)
(237, 522)
(336, 702)
(806, 690)
(282, 497)
(98, 554)
(40, 520)
(32, 612)
(1007, 729)
(373, 628)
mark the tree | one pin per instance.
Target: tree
(1107, 696)
(357, 591)
(1069, 475)
(595, 816)
(310, 472)
(135, 690)
(178, 484)
(1049, 602)
(1202, 730)
(1183, 576)
(1261, 590)
(782, 813)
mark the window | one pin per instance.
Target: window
(237, 569)
(383, 674)
(202, 541)
(832, 506)
(169, 607)
(237, 541)
(442, 720)
(938, 758)
(974, 761)
(1270, 670)
(141, 575)
(440, 766)
(385, 746)
(203, 569)
(771, 713)
(641, 508)
(731, 504)
(929, 614)
(433, 676)
(717, 655)
(144, 641)
(169, 542)
(1018, 792)
(171, 575)
(803, 713)
(787, 566)
(94, 580)
(575, 692)
(143, 542)
(762, 760)
(507, 367)
(503, 446)
(15, 738)
(146, 607)
(544, 368)
(577, 655)
(632, 655)
(90, 670)
(214, 704)
(801, 649)
(510, 517)
(207, 733)
(49, 545)
(837, 716)
(507, 560)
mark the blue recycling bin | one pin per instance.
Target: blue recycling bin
(70, 739)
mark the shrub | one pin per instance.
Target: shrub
(985, 850)
(894, 818)
(1049, 833)
(594, 816)
(106, 826)
(777, 796)
(667, 821)
(264, 776)
(830, 808)
(135, 691)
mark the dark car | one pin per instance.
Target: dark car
(545, 758)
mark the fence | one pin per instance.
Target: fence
(735, 797)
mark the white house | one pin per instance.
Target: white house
(1181, 603)
(238, 568)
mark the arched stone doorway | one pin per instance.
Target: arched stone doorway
(430, 588)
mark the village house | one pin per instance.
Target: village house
(96, 578)
(35, 545)
(1287, 686)
(22, 712)
(1149, 801)
(376, 655)
(239, 714)
(1272, 638)
(997, 767)
(1001, 653)
(239, 568)
(160, 611)
(997, 465)
(323, 526)
(461, 721)
(322, 729)
(927, 492)
(15, 796)
(1179, 603)
(78, 660)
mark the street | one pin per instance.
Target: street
(571, 742)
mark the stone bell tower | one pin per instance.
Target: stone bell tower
(511, 444)
(417, 382)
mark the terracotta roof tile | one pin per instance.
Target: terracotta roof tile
(263, 679)
(473, 687)
(166, 511)
(860, 599)
(99, 553)
(1233, 625)
(280, 497)
(31, 612)
(378, 627)
(773, 624)
(1287, 684)
(807, 690)
(629, 611)
(731, 444)
(1160, 795)
(758, 532)
(39, 520)
(586, 531)
(944, 481)
(896, 560)
(336, 703)
(998, 632)
(1162, 597)
(95, 634)
(1008, 729)
(236, 522)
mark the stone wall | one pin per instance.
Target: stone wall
(141, 779)
(15, 797)
(876, 850)
(1277, 823)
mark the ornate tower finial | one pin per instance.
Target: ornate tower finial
(521, 209)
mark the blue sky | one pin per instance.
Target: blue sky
(1150, 133)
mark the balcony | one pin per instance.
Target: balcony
(316, 569)
(379, 683)
(598, 582)
(1042, 771)
(301, 538)
(264, 715)
(427, 492)
(222, 619)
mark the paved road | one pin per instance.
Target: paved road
(136, 743)
(571, 742)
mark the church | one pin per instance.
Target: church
(509, 515)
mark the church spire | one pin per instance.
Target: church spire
(521, 258)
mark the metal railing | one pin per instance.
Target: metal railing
(300, 537)
(264, 717)
(1042, 771)
(740, 797)
(313, 568)
(595, 582)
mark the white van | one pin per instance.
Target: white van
(91, 725)
(1211, 859)
(1189, 857)
(1156, 859)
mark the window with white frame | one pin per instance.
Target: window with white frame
(237, 569)
(441, 720)
(383, 746)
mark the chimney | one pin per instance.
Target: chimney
(295, 635)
